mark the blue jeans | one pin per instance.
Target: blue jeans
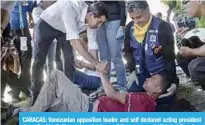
(111, 49)
(85, 81)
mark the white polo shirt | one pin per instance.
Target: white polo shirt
(67, 16)
(92, 45)
(92, 39)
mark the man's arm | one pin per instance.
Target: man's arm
(78, 45)
(30, 9)
(110, 91)
(127, 50)
(123, 15)
(17, 65)
(189, 52)
(199, 51)
(6, 8)
(4, 19)
(90, 66)
(72, 33)
(166, 39)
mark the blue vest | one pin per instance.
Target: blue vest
(143, 52)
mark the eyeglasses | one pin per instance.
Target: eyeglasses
(185, 2)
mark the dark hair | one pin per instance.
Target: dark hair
(98, 9)
(133, 6)
(159, 14)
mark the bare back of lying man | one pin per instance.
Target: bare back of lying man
(61, 95)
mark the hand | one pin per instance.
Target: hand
(31, 24)
(170, 91)
(157, 49)
(131, 78)
(102, 67)
(186, 52)
(182, 31)
(1, 32)
(120, 32)
(5, 51)
(15, 56)
(78, 64)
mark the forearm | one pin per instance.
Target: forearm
(4, 18)
(94, 53)
(199, 51)
(80, 48)
(30, 16)
(109, 90)
(16, 66)
(88, 66)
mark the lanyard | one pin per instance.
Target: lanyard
(21, 17)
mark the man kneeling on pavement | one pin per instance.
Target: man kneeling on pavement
(60, 94)
(149, 43)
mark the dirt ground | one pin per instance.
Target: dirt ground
(187, 90)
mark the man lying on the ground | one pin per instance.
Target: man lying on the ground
(60, 94)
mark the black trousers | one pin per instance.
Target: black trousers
(197, 71)
(44, 36)
(13, 81)
(183, 63)
(25, 59)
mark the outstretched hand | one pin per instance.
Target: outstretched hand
(103, 68)
(170, 91)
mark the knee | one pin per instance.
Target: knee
(55, 73)
(117, 59)
(193, 65)
(180, 59)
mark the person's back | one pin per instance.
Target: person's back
(114, 10)
(54, 13)
(134, 102)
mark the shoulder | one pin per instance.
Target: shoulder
(8, 5)
(164, 26)
(129, 25)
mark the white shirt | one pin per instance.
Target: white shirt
(92, 45)
(8, 5)
(92, 39)
(36, 13)
(67, 16)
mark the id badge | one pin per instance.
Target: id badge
(23, 43)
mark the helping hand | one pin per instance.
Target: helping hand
(170, 91)
(186, 51)
(78, 64)
(182, 31)
(131, 78)
(103, 67)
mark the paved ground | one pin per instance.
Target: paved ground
(190, 92)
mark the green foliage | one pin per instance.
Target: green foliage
(175, 5)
